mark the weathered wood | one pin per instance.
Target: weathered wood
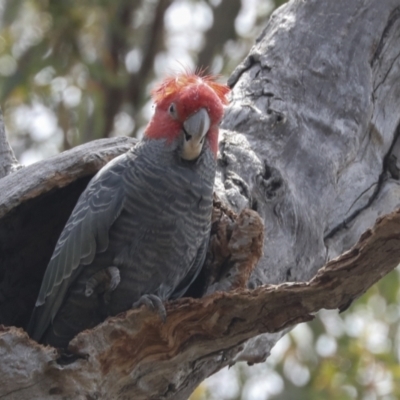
(311, 144)
(59, 171)
(312, 132)
(137, 356)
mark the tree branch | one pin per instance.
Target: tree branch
(310, 143)
(119, 355)
(8, 162)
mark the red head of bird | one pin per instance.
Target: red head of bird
(188, 107)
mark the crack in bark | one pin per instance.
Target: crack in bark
(360, 195)
(22, 388)
(395, 15)
(386, 75)
(252, 59)
(382, 178)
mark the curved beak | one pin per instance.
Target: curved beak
(195, 129)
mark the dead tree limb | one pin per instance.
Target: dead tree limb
(8, 162)
(137, 356)
(310, 143)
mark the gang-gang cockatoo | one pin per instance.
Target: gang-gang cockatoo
(140, 230)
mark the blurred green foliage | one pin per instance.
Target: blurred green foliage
(82, 70)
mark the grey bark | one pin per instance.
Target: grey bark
(8, 162)
(310, 142)
(312, 134)
(137, 356)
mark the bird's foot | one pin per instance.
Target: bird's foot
(104, 281)
(154, 303)
(115, 278)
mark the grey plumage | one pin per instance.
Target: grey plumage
(147, 213)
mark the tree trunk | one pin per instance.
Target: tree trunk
(309, 142)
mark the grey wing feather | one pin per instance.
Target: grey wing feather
(85, 234)
(194, 271)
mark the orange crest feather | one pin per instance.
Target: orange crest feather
(174, 84)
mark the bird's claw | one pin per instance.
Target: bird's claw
(115, 278)
(154, 303)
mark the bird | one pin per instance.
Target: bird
(139, 232)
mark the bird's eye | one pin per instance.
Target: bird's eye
(172, 111)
